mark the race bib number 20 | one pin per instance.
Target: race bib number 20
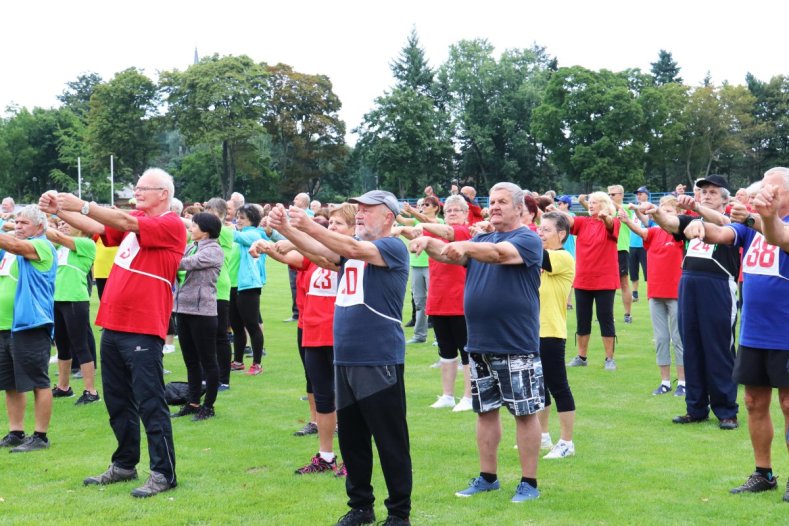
(351, 288)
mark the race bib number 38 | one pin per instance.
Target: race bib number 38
(351, 288)
(761, 258)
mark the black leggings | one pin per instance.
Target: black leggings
(303, 357)
(73, 333)
(244, 314)
(452, 337)
(319, 362)
(223, 354)
(604, 307)
(554, 374)
(197, 335)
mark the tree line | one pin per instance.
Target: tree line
(231, 124)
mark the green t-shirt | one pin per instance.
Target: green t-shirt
(71, 280)
(422, 260)
(623, 241)
(232, 264)
(9, 274)
(223, 282)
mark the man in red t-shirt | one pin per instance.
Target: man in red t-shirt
(134, 312)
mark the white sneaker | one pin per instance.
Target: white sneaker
(545, 441)
(561, 450)
(436, 365)
(463, 405)
(167, 349)
(444, 401)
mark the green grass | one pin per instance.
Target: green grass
(633, 466)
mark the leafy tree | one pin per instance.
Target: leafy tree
(770, 140)
(665, 129)
(78, 92)
(219, 102)
(120, 123)
(307, 135)
(665, 70)
(593, 126)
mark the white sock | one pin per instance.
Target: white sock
(546, 436)
(667, 383)
(568, 443)
(328, 456)
(681, 382)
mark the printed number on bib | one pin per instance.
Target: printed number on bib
(699, 249)
(351, 288)
(761, 258)
(6, 263)
(323, 282)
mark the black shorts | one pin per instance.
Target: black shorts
(623, 262)
(24, 360)
(761, 367)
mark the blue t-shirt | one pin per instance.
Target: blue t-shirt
(369, 307)
(637, 241)
(765, 290)
(502, 302)
(569, 243)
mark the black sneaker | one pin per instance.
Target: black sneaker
(411, 323)
(687, 419)
(186, 409)
(203, 413)
(156, 483)
(87, 398)
(756, 483)
(391, 520)
(728, 424)
(31, 443)
(12, 440)
(111, 476)
(57, 392)
(786, 495)
(247, 351)
(356, 517)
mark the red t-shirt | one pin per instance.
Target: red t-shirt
(596, 259)
(318, 313)
(138, 297)
(301, 292)
(447, 282)
(664, 263)
(474, 213)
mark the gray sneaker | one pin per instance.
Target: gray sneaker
(610, 364)
(156, 483)
(11, 440)
(577, 362)
(112, 475)
(31, 443)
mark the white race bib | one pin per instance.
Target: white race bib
(699, 249)
(351, 288)
(6, 262)
(63, 253)
(127, 251)
(761, 258)
(323, 282)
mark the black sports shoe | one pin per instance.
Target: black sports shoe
(57, 392)
(87, 398)
(728, 424)
(31, 443)
(357, 517)
(786, 495)
(203, 413)
(756, 483)
(12, 440)
(411, 323)
(186, 409)
(391, 520)
(687, 419)
(111, 476)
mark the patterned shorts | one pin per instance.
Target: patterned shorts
(514, 380)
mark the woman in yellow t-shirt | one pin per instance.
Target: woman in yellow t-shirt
(558, 271)
(102, 264)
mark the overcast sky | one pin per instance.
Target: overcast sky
(46, 44)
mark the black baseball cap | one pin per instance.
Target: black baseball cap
(715, 180)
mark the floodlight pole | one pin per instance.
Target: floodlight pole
(112, 182)
(79, 177)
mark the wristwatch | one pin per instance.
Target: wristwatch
(85, 210)
(749, 221)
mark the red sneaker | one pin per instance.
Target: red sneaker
(318, 465)
(254, 369)
(236, 366)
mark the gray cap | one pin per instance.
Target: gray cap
(378, 197)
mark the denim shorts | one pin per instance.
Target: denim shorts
(514, 380)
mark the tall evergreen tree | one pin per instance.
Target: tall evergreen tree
(411, 69)
(665, 70)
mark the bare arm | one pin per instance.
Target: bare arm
(711, 216)
(434, 249)
(442, 231)
(625, 218)
(667, 222)
(20, 247)
(775, 231)
(59, 238)
(583, 201)
(116, 219)
(302, 241)
(709, 233)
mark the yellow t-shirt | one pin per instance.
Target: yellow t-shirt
(554, 288)
(104, 258)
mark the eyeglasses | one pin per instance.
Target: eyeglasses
(147, 188)
(615, 193)
(453, 211)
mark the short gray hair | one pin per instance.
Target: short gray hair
(176, 206)
(165, 179)
(456, 200)
(218, 205)
(783, 171)
(34, 214)
(513, 189)
(238, 199)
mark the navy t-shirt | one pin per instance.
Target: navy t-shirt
(369, 306)
(502, 302)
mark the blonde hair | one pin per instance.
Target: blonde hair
(670, 200)
(346, 212)
(604, 201)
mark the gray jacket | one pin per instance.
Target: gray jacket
(197, 294)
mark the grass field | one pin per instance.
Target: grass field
(632, 465)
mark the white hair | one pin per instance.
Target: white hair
(34, 214)
(237, 199)
(783, 171)
(456, 200)
(513, 189)
(165, 179)
(176, 206)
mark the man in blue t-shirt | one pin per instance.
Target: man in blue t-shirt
(502, 306)
(762, 362)
(369, 348)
